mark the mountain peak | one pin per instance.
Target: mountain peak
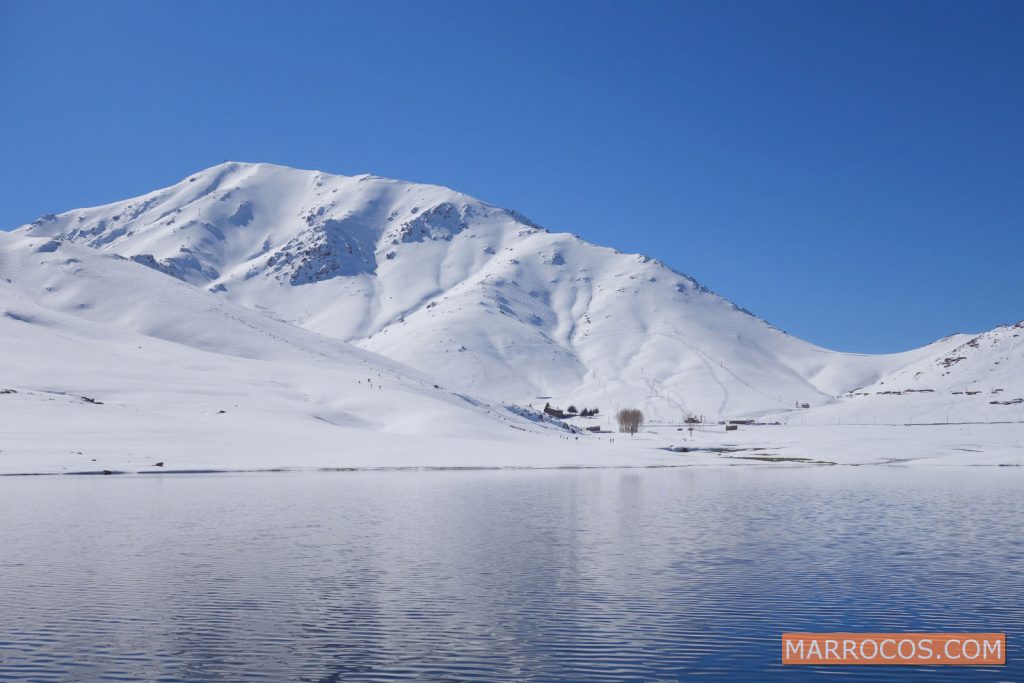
(476, 294)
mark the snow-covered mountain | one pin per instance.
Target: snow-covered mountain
(989, 363)
(103, 356)
(979, 380)
(476, 295)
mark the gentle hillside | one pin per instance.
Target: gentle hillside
(979, 380)
(102, 355)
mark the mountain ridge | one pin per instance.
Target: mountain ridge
(470, 292)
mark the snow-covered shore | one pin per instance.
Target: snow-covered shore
(935, 444)
(211, 448)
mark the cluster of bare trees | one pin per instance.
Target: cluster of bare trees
(630, 420)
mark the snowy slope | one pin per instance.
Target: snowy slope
(469, 292)
(979, 380)
(102, 355)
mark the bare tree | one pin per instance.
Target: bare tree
(630, 420)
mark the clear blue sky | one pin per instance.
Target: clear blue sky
(851, 171)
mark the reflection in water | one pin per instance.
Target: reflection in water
(559, 575)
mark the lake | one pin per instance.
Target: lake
(597, 575)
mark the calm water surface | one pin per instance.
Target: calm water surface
(600, 575)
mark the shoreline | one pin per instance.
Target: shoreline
(102, 453)
(780, 464)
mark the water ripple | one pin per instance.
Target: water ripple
(497, 576)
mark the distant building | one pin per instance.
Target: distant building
(554, 412)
